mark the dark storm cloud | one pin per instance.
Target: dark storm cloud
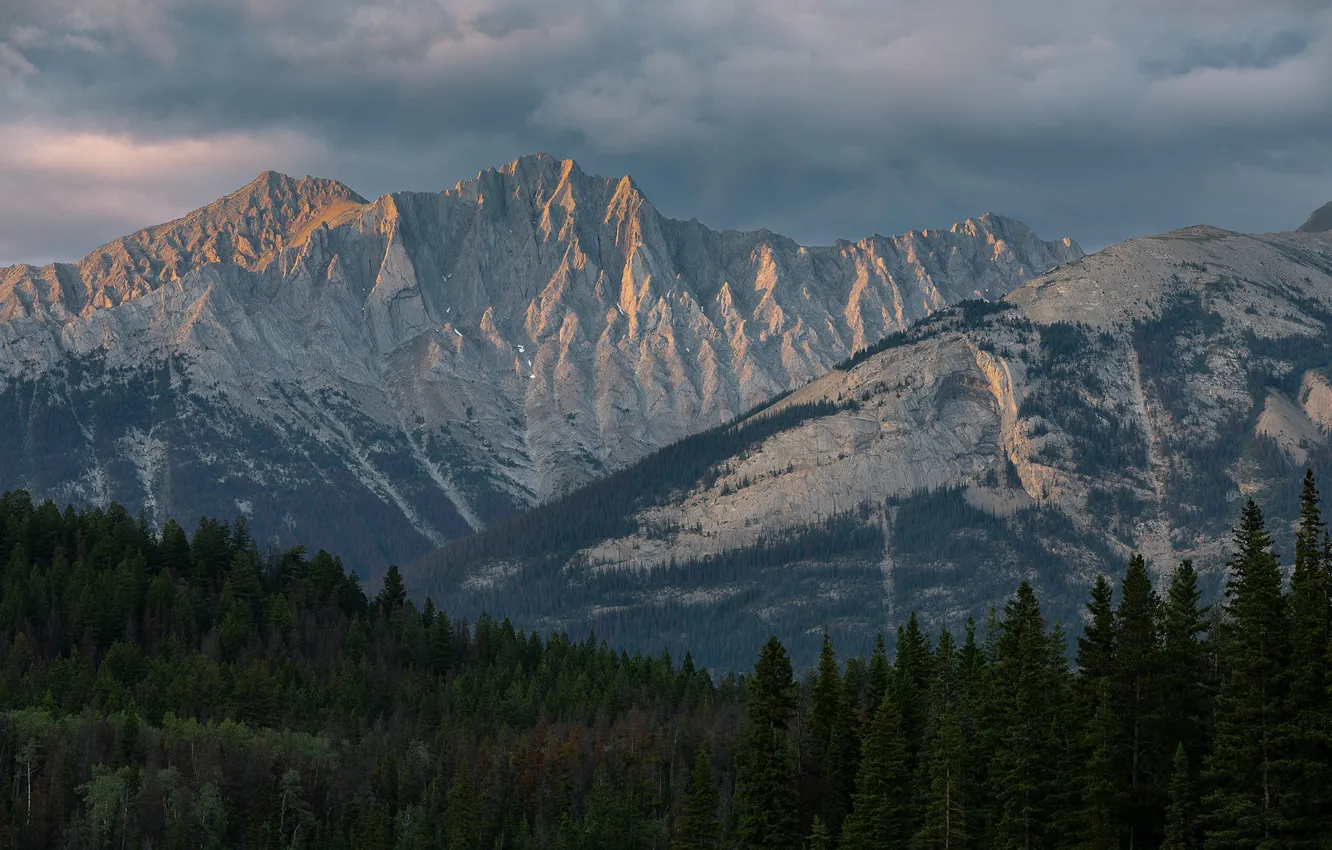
(818, 118)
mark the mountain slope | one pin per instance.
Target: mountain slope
(1123, 402)
(1320, 220)
(377, 377)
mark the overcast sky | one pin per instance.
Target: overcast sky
(816, 118)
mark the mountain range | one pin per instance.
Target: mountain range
(377, 378)
(1126, 401)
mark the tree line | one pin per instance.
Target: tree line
(166, 690)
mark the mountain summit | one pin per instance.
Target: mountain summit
(1126, 402)
(1320, 220)
(378, 376)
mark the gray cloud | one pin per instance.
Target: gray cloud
(818, 118)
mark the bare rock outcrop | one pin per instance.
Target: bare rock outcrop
(377, 376)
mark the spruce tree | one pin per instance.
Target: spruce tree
(1096, 643)
(1138, 699)
(392, 596)
(1305, 767)
(944, 771)
(765, 798)
(1240, 807)
(1023, 767)
(880, 816)
(879, 674)
(1184, 654)
(1099, 821)
(699, 826)
(911, 678)
(828, 732)
(819, 837)
(1181, 819)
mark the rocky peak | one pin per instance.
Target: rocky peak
(447, 357)
(245, 228)
(1320, 220)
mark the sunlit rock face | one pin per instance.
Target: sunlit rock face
(1129, 401)
(376, 377)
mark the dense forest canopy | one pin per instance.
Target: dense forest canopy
(171, 690)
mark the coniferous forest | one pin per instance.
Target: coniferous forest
(171, 690)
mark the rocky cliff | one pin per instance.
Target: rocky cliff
(378, 377)
(1125, 402)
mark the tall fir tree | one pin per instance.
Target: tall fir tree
(1305, 759)
(1138, 700)
(1185, 663)
(1241, 804)
(1181, 828)
(699, 824)
(1102, 800)
(1025, 758)
(880, 816)
(1096, 643)
(765, 799)
(879, 674)
(828, 733)
(944, 782)
(819, 836)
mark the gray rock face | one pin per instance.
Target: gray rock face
(377, 377)
(1320, 220)
(1125, 402)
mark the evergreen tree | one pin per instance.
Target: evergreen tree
(911, 678)
(828, 733)
(1138, 699)
(819, 837)
(1240, 807)
(879, 673)
(1023, 767)
(392, 596)
(945, 782)
(1305, 767)
(1185, 663)
(1096, 644)
(880, 816)
(699, 826)
(765, 782)
(1099, 828)
(1181, 820)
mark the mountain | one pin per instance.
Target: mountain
(376, 378)
(1125, 402)
(1320, 220)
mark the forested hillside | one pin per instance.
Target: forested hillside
(168, 690)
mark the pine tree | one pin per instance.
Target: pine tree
(765, 783)
(1022, 771)
(944, 758)
(1240, 808)
(879, 673)
(1185, 662)
(880, 816)
(1100, 813)
(1138, 699)
(911, 678)
(1305, 767)
(828, 733)
(392, 596)
(1096, 644)
(1181, 821)
(819, 837)
(699, 826)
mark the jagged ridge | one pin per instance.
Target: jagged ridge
(446, 357)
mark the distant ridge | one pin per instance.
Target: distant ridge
(1320, 220)
(377, 377)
